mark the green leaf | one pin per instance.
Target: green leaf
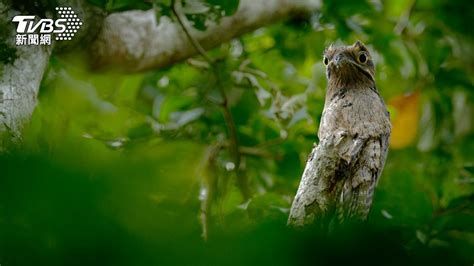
(269, 205)
(140, 131)
(183, 118)
(123, 5)
(422, 237)
(99, 3)
(163, 9)
(172, 104)
(163, 2)
(198, 21)
(7, 54)
(228, 6)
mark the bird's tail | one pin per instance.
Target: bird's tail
(355, 203)
(358, 191)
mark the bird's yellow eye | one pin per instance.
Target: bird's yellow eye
(326, 61)
(362, 58)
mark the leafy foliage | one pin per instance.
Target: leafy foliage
(198, 12)
(7, 52)
(122, 5)
(38, 7)
(138, 158)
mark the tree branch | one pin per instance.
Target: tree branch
(193, 41)
(135, 41)
(19, 85)
(229, 120)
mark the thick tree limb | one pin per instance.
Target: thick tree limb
(315, 198)
(135, 41)
(20, 81)
(19, 86)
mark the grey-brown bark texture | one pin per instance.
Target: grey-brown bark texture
(20, 80)
(19, 85)
(342, 171)
(135, 41)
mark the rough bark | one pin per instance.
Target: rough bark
(311, 200)
(19, 86)
(135, 41)
(20, 81)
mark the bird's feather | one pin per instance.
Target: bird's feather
(342, 171)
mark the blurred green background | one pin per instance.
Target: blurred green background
(130, 169)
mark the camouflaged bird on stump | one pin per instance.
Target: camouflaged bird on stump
(342, 171)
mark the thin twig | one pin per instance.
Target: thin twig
(208, 187)
(198, 63)
(254, 151)
(272, 142)
(193, 41)
(230, 124)
(404, 19)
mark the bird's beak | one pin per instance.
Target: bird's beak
(338, 60)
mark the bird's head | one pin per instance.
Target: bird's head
(349, 65)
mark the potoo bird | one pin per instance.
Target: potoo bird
(342, 171)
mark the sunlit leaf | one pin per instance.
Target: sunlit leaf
(405, 123)
(183, 118)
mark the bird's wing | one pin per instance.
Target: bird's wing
(357, 193)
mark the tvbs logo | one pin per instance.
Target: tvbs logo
(26, 24)
(33, 32)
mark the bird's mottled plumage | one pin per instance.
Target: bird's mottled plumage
(355, 111)
(343, 170)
